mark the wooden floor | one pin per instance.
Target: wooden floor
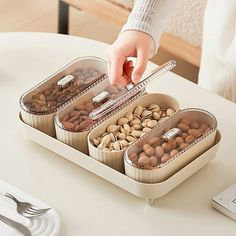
(41, 16)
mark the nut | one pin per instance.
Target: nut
(122, 121)
(130, 138)
(146, 114)
(112, 128)
(138, 110)
(154, 108)
(129, 116)
(152, 123)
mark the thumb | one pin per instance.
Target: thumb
(140, 66)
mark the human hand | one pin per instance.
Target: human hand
(130, 43)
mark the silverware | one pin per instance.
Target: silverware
(15, 225)
(27, 209)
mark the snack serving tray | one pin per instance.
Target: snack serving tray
(149, 192)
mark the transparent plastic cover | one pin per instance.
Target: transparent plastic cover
(129, 91)
(65, 84)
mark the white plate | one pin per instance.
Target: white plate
(45, 225)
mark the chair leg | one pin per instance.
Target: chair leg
(63, 17)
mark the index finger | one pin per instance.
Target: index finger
(115, 69)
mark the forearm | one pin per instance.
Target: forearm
(151, 17)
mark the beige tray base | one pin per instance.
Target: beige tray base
(142, 190)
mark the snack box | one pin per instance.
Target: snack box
(114, 157)
(111, 107)
(40, 103)
(170, 146)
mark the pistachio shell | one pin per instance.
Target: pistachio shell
(146, 130)
(106, 139)
(122, 121)
(124, 143)
(136, 127)
(136, 117)
(136, 133)
(124, 131)
(104, 134)
(152, 124)
(101, 146)
(129, 116)
(156, 115)
(110, 145)
(146, 113)
(117, 146)
(144, 124)
(170, 112)
(135, 122)
(121, 136)
(130, 138)
(96, 142)
(138, 110)
(127, 127)
(132, 129)
(154, 107)
(113, 137)
(112, 128)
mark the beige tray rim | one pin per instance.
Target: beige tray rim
(142, 190)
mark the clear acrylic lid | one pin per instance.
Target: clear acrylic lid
(72, 80)
(127, 92)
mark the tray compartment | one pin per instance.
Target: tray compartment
(185, 156)
(39, 104)
(114, 159)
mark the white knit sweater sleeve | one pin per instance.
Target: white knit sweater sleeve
(151, 17)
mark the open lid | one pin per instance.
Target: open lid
(127, 92)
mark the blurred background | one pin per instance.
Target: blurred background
(102, 20)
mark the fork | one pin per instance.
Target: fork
(27, 209)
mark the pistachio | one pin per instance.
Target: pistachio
(101, 146)
(138, 110)
(113, 137)
(124, 131)
(154, 108)
(129, 116)
(96, 142)
(136, 133)
(122, 121)
(106, 139)
(124, 143)
(135, 122)
(110, 145)
(156, 115)
(146, 130)
(170, 112)
(112, 128)
(104, 134)
(130, 138)
(146, 114)
(121, 136)
(127, 127)
(152, 123)
(117, 146)
(136, 127)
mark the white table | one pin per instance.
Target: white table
(87, 204)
